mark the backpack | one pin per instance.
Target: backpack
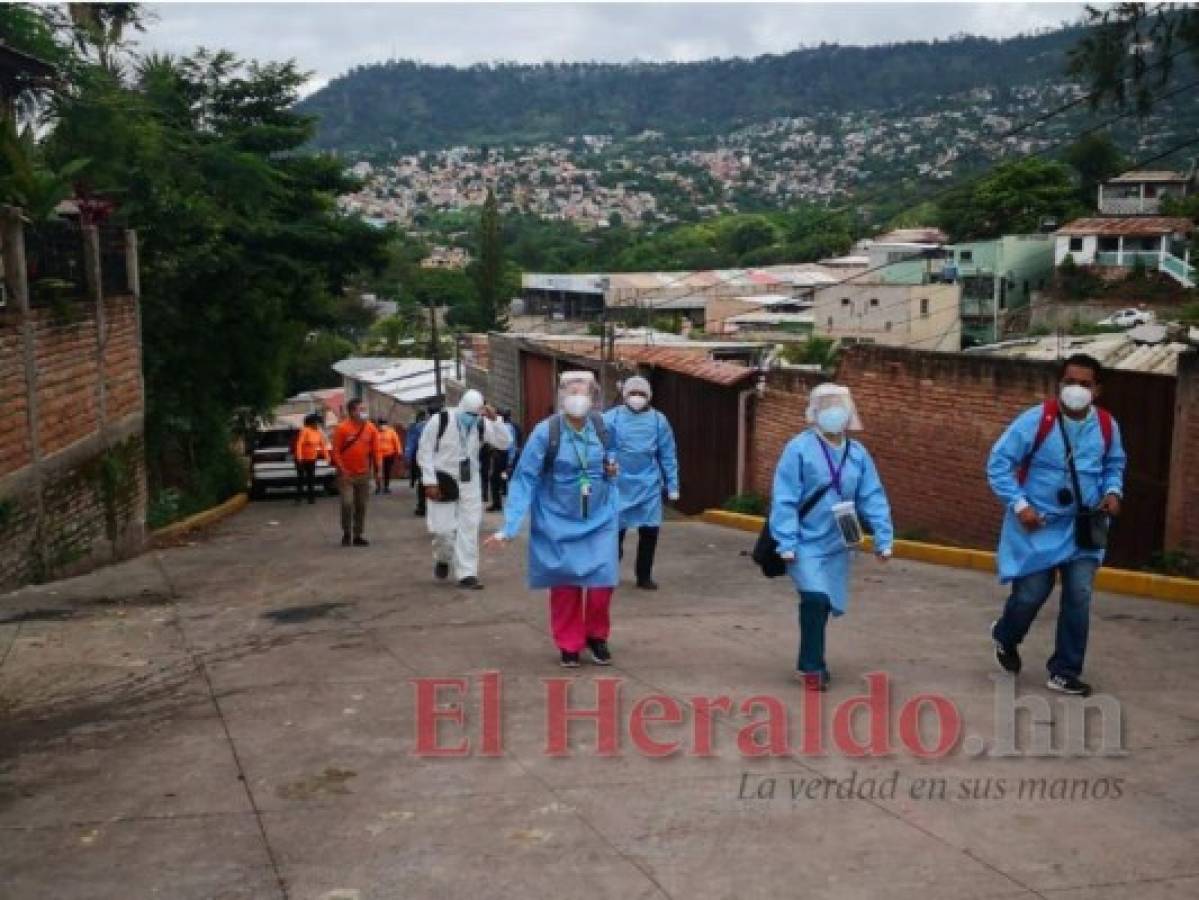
(444, 423)
(551, 451)
(1050, 410)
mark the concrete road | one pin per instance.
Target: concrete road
(237, 718)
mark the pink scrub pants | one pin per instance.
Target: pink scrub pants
(578, 614)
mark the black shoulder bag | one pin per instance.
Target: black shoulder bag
(1091, 526)
(766, 549)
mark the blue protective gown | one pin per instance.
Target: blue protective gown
(822, 562)
(1023, 552)
(564, 547)
(648, 458)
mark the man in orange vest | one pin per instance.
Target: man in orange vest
(310, 445)
(390, 448)
(355, 453)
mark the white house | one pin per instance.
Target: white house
(1159, 242)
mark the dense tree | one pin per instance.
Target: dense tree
(1095, 158)
(489, 311)
(1013, 198)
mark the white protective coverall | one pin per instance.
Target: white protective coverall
(455, 526)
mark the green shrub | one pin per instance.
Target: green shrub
(747, 504)
(1174, 562)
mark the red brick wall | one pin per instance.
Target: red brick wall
(83, 501)
(122, 358)
(66, 358)
(911, 404)
(1182, 516)
(14, 435)
(777, 417)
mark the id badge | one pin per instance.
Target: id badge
(464, 471)
(585, 498)
(845, 514)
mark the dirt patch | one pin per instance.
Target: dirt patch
(330, 781)
(294, 615)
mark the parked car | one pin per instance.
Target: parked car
(273, 465)
(1129, 318)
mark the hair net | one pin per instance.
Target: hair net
(638, 385)
(580, 382)
(825, 395)
(472, 401)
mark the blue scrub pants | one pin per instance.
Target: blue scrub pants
(1029, 594)
(813, 620)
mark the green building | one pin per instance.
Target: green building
(998, 278)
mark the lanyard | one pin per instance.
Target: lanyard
(580, 448)
(835, 471)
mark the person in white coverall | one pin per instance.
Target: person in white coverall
(448, 457)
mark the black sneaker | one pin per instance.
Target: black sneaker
(600, 655)
(345, 540)
(470, 583)
(569, 660)
(647, 584)
(1007, 657)
(1068, 684)
(441, 571)
(361, 542)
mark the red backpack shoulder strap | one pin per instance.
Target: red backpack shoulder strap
(1049, 411)
(1106, 428)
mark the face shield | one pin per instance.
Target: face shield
(830, 405)
(578, 393)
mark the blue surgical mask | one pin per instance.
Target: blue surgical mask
(833, 419)
(468, 419)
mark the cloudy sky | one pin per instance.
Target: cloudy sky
(328, 38)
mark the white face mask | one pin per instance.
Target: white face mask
(1075, 397)
(361, 415)
(577, 405)
(636, 402)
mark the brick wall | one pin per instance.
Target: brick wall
(76, 497)
(1182, 511)
(776, 418)
(930, 420)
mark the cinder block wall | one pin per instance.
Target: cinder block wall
(1182, 512)
(72, 461)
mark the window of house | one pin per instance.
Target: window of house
(874, 301)
(830, 322)
(1109, 244)
(966, 256)
(1151, 190)
(845, 301)
(887, 326)
(1075, 245)
(924, 308)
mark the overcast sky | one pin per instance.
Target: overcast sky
(329, 38)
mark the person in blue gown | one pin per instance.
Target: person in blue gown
(649, 468)
(570, 497)
(1038, 540)
(824, 484)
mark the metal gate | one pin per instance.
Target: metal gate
(537, 393)
(704, 419)
(1143, 405)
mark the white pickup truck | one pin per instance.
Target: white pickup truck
(273, 466)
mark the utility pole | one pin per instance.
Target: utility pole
(436, 349)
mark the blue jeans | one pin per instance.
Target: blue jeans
(813, 620)
(1029, 594)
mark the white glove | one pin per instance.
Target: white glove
(787, 555)
(674, 497)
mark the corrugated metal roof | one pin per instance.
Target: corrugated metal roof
(1128, 226)
(1156, 175)
(691, 361)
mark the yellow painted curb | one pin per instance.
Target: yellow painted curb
(1118, 581)
(203, 519)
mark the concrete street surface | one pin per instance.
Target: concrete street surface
(236, 718)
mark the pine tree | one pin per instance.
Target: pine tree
(491, 307)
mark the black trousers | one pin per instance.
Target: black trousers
(647, 546)
(388, 466)
(499, 487)
(306, 479)
(414, 477)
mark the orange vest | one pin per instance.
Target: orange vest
(389, 442)
(311, 445)
(355, 445)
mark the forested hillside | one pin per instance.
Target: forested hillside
(410, 106)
